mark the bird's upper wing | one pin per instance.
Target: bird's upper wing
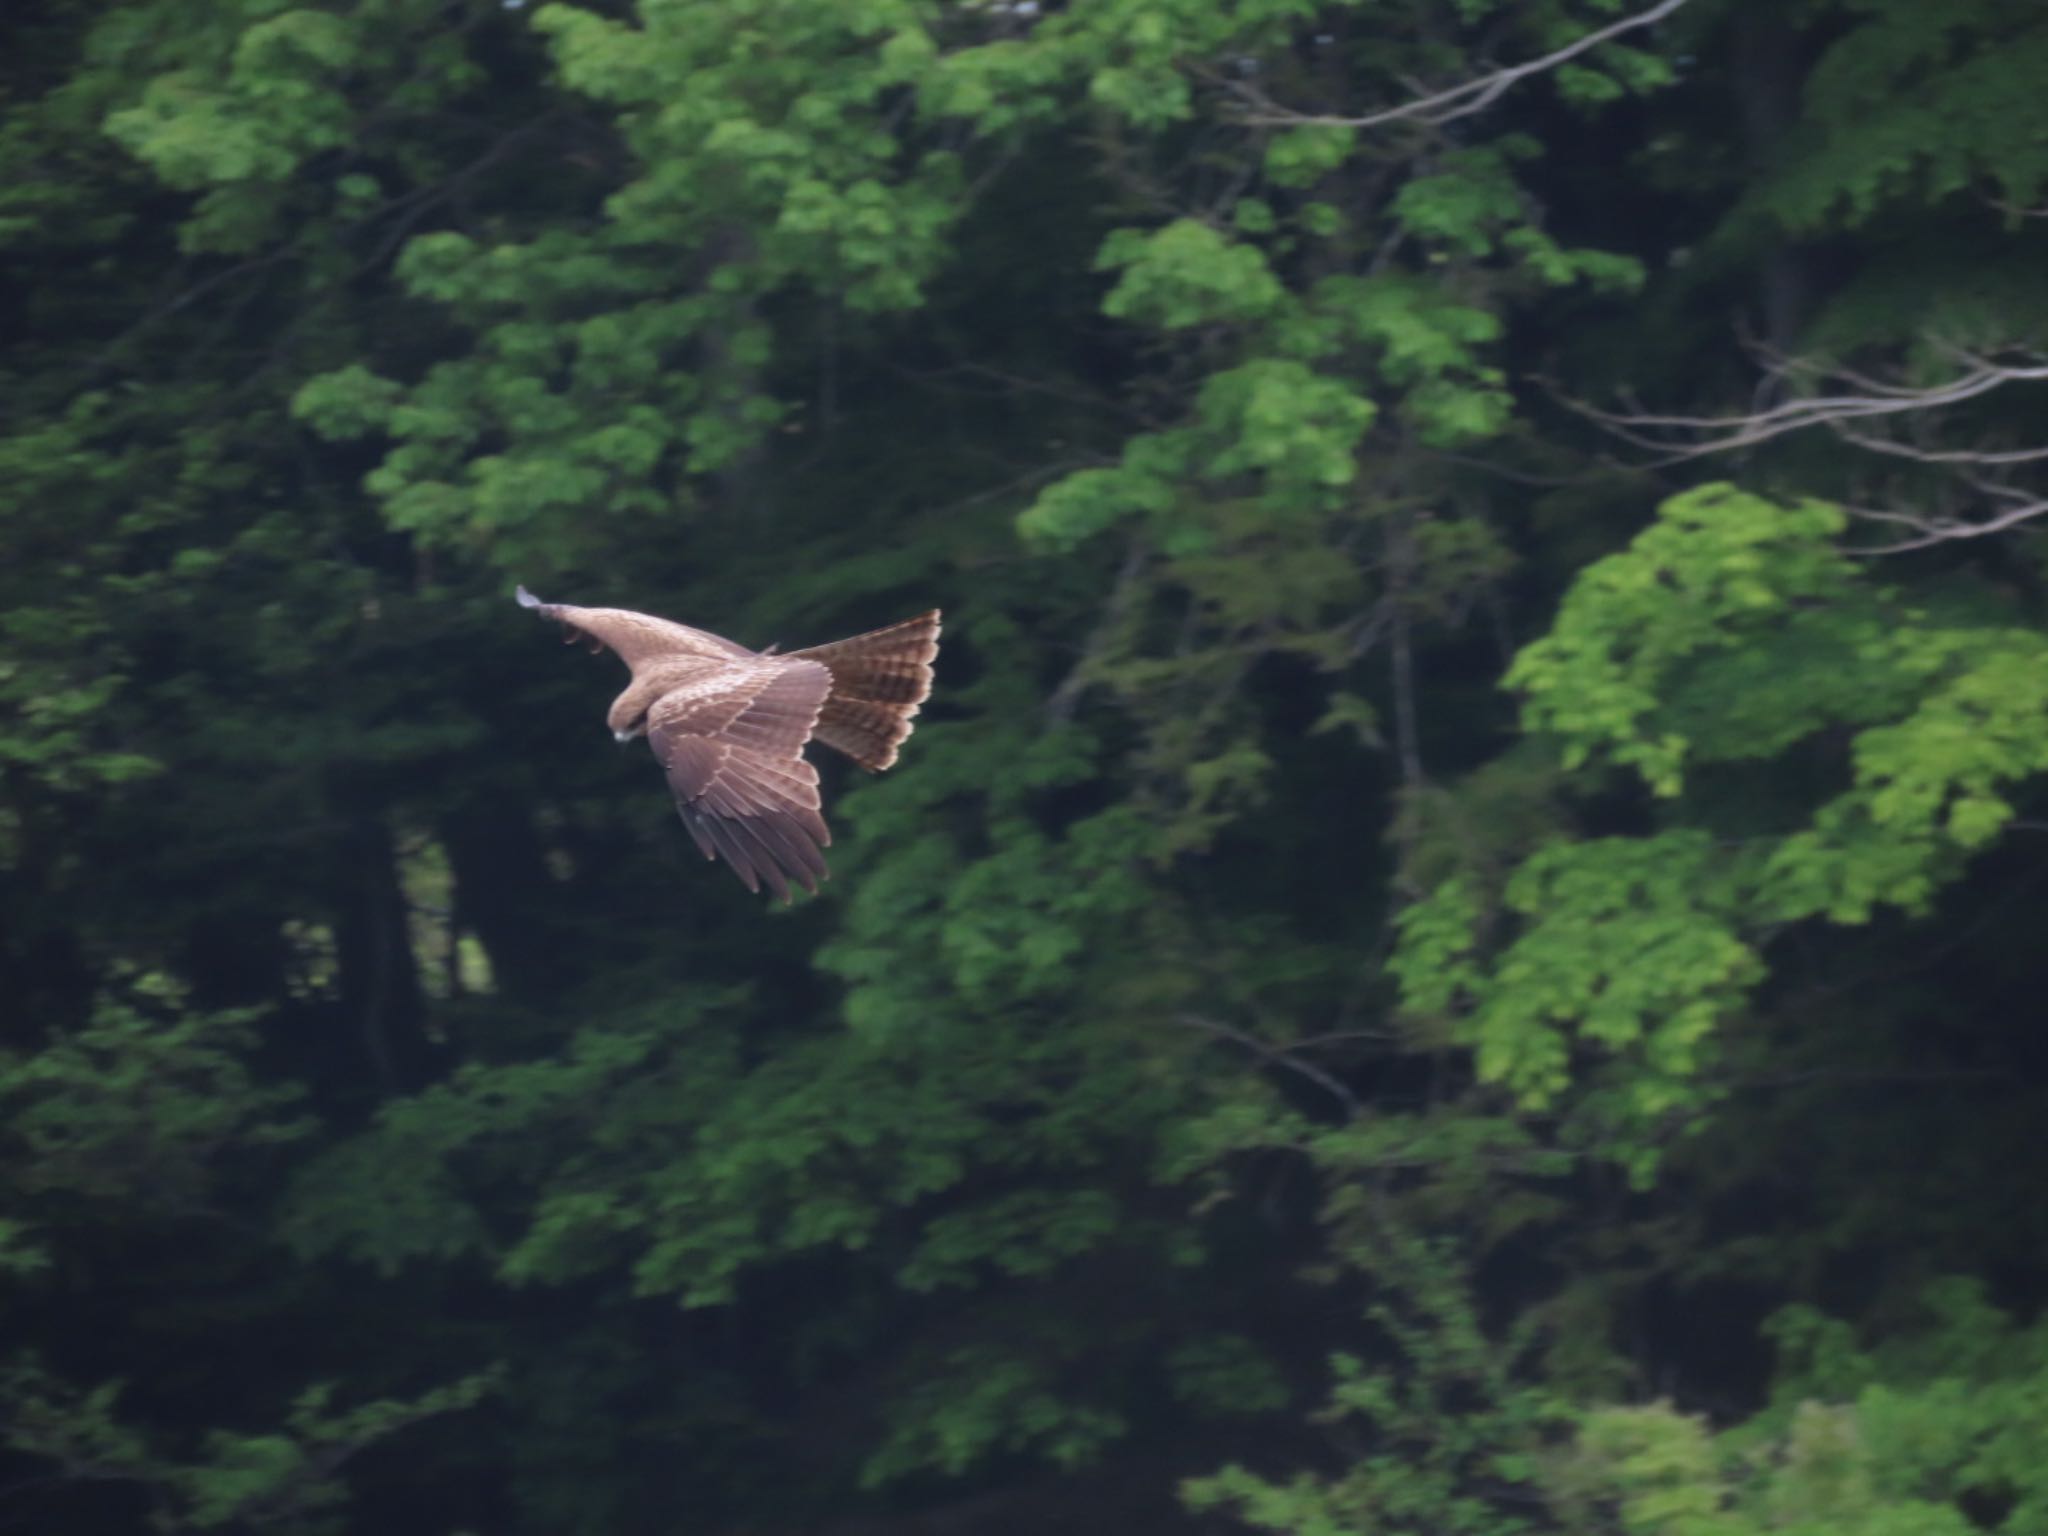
(636, 637)
(733, 748)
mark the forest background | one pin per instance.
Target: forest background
(1458, 949)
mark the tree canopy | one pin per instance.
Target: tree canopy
(1452, 953)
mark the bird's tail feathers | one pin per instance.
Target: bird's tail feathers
(878, 681)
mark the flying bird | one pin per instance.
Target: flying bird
(729, 725)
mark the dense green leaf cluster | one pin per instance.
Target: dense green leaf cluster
(1428, 968)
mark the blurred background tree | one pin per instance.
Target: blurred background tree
(1453, 954)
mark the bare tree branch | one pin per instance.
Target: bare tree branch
(1277, 1057)
(1977, 456)
(1905, 422)
(1680, 438)
(1443, 106)
(1123, 593)
(1942, 530)
(1401, 659)
(2013, 210)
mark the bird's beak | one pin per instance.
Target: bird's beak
(622, 735)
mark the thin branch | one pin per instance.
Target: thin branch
(2014, 211)
(1028, 480)
(409, 208)
(1447, 105)
(1977, 456)
(1944, 530)
(1277, 1057)
(1401, 656)
(1343, 1037)
(1367, 628)
(1727, 434)
(1123, 593)
(1979, 479)
(1012, 384)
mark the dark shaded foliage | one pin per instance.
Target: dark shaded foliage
(1427, 969)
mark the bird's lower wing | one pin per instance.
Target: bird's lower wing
(733, 752)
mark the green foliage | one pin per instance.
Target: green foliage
(135, 1104)
(1231, 1003)
(1938, 1430)
(1717, 573)
(1956, 114)
(1626, 941)
(1728, 631)
(1281, 420)
(284, 1481)
(1226, 1373)
(1186, 274)
(980, 1402)
(1450, 1441)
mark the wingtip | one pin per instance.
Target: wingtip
(526, 599)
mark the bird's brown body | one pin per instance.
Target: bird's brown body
(729, 725)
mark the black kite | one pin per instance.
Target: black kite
(730, 725)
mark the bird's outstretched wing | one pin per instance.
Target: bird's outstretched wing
(733, 749)
(636, 637)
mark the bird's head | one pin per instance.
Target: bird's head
(629, 713)
(628, 716)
